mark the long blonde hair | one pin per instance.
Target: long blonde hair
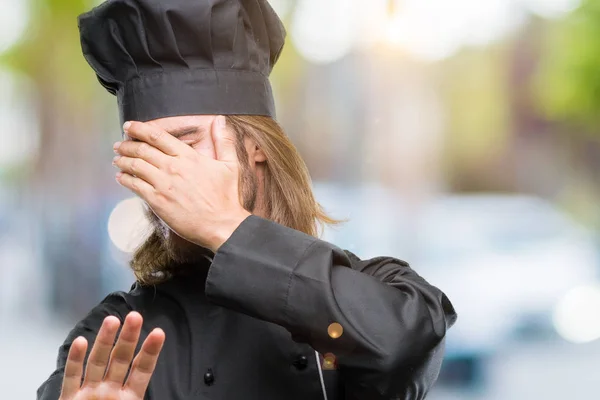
(288, 196)
(288, 188)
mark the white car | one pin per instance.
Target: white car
(505, 261)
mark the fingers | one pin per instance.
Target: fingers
(145, 362)
(133, 149)
(124, 349)
(224, 141)
(156, 137)
(139, 168)
(74, 368)
(137, 185)
(99, 356)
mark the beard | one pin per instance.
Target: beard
(177, 251)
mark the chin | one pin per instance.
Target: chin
(184, 251)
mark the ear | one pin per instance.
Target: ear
(258, 155)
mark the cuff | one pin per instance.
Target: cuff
(252, 271)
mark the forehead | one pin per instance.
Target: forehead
(204, 122)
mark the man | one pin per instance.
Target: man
(235, 298)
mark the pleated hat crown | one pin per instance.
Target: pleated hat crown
(165, 58)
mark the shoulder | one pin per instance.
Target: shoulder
(116, 304)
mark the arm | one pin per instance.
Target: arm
(394, 322)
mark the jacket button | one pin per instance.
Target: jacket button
(209, 378)
(301, 362)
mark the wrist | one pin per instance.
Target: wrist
(221, 234)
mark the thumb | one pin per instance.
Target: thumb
(224, 140)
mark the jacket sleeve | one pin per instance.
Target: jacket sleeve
(88, 327)
(393, 321)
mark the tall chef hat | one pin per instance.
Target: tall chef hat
(164, 58)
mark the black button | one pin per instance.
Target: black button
(209, 378)
(301, 362)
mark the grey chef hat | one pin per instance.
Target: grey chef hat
(165, 58)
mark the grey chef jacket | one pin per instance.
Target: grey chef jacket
(252, 323)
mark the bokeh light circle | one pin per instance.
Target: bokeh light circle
(281, 7)
(552, 8)
(577, 315)
(323, 31)
(13, 22)
(128, 226)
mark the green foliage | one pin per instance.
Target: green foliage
(64, 86)
(475, 89)
(50, 52)
(568, 83)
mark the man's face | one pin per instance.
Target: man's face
(195, 131)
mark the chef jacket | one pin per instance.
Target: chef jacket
(253, 323)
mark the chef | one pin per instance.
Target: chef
(236, 297)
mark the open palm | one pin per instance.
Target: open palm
(109, 362)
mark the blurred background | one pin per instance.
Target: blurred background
(461, 136)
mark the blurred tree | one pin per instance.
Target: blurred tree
(475, 88)
(567, 91)
(568, 82)
(505, 136)
(65, 181)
